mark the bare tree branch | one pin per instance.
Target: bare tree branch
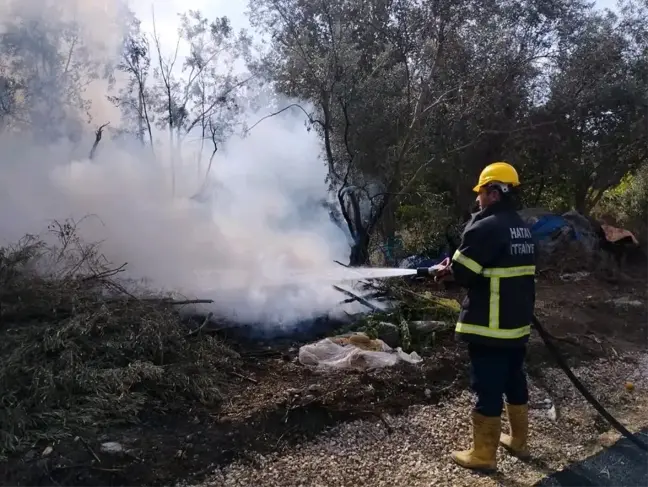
(279, 112)
(98, 135)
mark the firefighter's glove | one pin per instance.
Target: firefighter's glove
(444, 273)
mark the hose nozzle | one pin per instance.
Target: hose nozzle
(426, 271)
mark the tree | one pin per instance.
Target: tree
(44, 68)
(599, 104)
(199, 98)
(370, 82)
(411, 96)
(134, 98)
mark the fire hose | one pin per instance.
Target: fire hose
(582, 389)
(546, 338)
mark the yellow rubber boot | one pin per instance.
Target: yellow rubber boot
(483, 455)
(516, 442)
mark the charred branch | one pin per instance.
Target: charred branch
(98, 135)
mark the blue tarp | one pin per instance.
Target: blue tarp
(546, 225)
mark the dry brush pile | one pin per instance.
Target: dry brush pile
(79, 353)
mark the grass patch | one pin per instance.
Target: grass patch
(414, 303)
(417, 303)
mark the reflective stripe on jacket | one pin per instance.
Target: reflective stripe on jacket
(496, 262)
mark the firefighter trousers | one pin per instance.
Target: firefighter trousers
(495, 373)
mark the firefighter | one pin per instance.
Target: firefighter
(496, 263)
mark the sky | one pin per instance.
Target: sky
(166, 15)
(167, 22)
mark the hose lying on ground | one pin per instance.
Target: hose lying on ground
(581, 388)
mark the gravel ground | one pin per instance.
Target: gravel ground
(621, 465)
(412, 450)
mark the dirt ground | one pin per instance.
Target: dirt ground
(285, 424)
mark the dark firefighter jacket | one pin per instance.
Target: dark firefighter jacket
(496, 262)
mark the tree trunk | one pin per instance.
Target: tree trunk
(580, 202)
(360, 250)
(388, 218)
(540, 192)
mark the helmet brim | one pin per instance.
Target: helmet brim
(479, 186)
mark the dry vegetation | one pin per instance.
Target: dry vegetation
(79, 353)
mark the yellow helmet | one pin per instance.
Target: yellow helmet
(500, 172)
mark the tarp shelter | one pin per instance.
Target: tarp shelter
(548, 226)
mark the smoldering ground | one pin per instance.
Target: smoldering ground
(259, 243)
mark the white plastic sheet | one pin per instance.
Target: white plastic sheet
(329, 354)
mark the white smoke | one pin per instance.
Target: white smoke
(257, 245)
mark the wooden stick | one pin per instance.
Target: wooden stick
(357, 298)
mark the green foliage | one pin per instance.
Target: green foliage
(627, 203)
(411, 99)
(424, 224)
(416, 95)
(413, 306)
(430, 307)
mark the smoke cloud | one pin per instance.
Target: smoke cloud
(259, 242)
